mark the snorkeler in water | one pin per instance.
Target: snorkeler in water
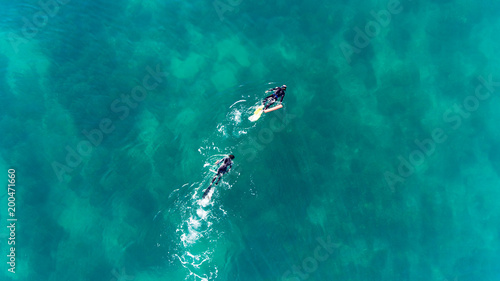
(278, 92)
(226, 165)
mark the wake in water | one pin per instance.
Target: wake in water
(197, 232)
(203, 246)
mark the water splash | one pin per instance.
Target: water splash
(203, 246)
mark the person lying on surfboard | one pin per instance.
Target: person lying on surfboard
(227, 163)
(278, 92)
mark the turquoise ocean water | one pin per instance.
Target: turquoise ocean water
(383, 165)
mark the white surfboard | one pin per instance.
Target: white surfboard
(273, 108)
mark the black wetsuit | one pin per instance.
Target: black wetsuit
(227, 163)
(279, 92)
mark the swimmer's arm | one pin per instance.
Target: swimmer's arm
(272, 89)
(219, 161)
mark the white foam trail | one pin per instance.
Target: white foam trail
(237, 116)
(202, 213)
(237, 102)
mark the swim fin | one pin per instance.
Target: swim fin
(206, 191)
